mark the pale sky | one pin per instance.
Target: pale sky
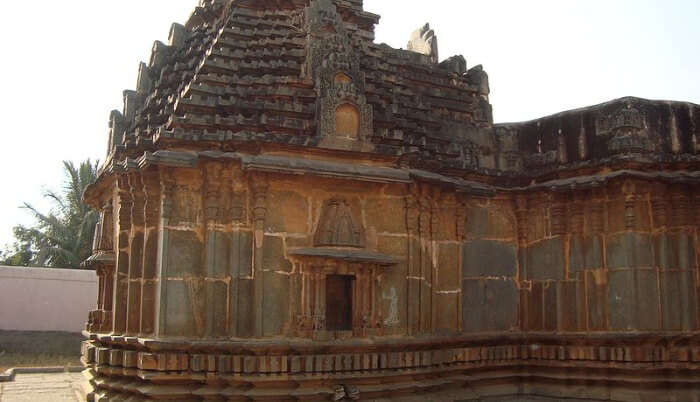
(66, 64)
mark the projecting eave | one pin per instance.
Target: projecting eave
(345, 255)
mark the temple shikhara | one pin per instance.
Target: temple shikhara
(293, 212)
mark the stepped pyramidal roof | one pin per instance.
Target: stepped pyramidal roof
(247, 74)
(307, 77)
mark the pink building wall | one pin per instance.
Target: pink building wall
(39, 299)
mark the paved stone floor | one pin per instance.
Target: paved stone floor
(60, 387)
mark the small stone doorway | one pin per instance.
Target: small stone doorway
(339, 303)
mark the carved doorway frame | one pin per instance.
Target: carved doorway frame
(309, 305)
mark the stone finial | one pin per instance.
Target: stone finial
(144, 83)
(455, 64)
(424, 41)
(477, 76)
(131, 104)
(159, 54)
(178, 35)
(116, 129)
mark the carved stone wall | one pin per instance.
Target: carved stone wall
(290, 211)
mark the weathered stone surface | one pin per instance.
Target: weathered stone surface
(489, 305)
(274, 255)
(185, 258)
(489, 259)
(283, 195)
(275, 303)
(629, 250)
(290, 215)
(586, 253)
(545, 260)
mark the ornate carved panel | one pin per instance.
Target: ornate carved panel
(323, 282)
(334, 66)
(627, 131)
(338, 227)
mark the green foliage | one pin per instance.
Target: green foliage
(61, 238)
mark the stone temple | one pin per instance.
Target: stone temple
(292, 212)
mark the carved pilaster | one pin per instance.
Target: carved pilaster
(136, 243)
(125, 203)
(138, 199)
(122, 266)
(597, 212)
(168, 188)
(680, 202)
(424, 219)
(212, 192)
(212, 212)
(414, 264)
(521, 214)
(412, 215)
(237, 212)
(576, 214)
(630, 199)
(152, 191)
(558, 215)
(659, 205)
(461, 220)
(260, 189)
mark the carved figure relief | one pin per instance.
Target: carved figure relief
(393, 299)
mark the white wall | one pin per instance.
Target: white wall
(38, 299)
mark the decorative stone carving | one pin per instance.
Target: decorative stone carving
(627, 131)
(334, 66)
(576, 214)
(541, 159)
(212, 191)
(522, 213)
(659, 205)
(168, 187)
(478, 77)
(630, 199)
(558, 216)
(338, 227)
(455, 65)
(424, 41)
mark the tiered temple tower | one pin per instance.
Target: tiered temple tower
(290, 211)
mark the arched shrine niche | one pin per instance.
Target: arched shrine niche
(338, 286)
(347, 121)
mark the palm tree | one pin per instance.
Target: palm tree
(63, 237)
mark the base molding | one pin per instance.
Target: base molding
(624, 368)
